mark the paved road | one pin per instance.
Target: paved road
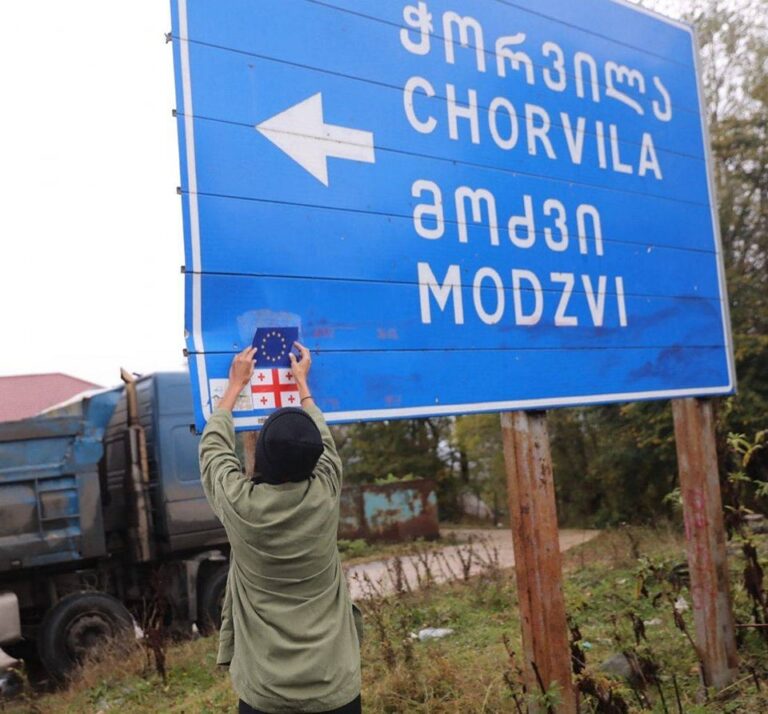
(446, 563)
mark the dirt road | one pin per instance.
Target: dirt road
(448, 564)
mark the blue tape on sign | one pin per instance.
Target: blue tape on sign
(463, 205)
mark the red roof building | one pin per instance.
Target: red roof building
(25, 395)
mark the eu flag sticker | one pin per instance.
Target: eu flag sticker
(273, 345)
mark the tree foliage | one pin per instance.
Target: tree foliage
(477, 440)
(403, 448)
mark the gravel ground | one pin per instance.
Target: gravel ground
(448, 564)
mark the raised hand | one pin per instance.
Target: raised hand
(300, 367)
(241, 370)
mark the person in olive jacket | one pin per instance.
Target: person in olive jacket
(288, 631)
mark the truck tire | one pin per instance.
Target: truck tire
(76, 624)
(211, 599)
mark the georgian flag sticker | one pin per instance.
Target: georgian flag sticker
(274, 388)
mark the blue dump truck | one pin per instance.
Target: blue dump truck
(101, 513)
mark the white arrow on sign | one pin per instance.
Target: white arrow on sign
(301, 132)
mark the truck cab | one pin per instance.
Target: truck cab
(101, 512)
(181, 519)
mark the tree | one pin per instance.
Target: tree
(477, 440)
(408, 447)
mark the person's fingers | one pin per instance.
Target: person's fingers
(304, 351)
(292, 357)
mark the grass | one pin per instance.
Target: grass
(618, 576)
(194, 684)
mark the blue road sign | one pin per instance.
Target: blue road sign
(462, 205)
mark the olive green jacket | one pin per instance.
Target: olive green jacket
(287, 628)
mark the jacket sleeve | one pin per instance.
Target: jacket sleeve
(220, 470)
(329, 465)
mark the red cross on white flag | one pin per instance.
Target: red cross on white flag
(273, 388)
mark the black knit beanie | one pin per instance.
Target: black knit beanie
(288, 447)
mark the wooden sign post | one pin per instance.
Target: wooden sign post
(538, 565)
(705, 540)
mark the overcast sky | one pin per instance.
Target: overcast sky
(90, 223)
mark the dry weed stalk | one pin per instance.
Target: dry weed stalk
(514, 679)
(679, 621)
(578, 655)
(489, 560)
(607, 699)
(466, 554)
(397, 576)
(369, 589)
(388, 618)
(446, 569)
(153, 623)
(423, 558)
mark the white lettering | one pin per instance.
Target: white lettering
(417, 17)
(432, 210)
(538, 132)
(552, 204)
(521, 318)
(489, 318)
(615, 153)
(621, 73)
(561, 319)
(555, 83)
(516, 59)
(524, 221)
(596, 304)
(426, 126)
(514, 128)
(582, 212)
(664, 114)
(478, 205)
(575, 143)
(602, 160)
(442, 293)
(456, 112)
(476, 198)
(464, 25)
(620, 301)
(648, 158)
(579, 60)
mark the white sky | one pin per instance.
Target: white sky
(90, 224)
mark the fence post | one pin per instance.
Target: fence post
(538, 565)
(705, 540)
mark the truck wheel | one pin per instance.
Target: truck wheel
(211, 599)
(75, 625)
